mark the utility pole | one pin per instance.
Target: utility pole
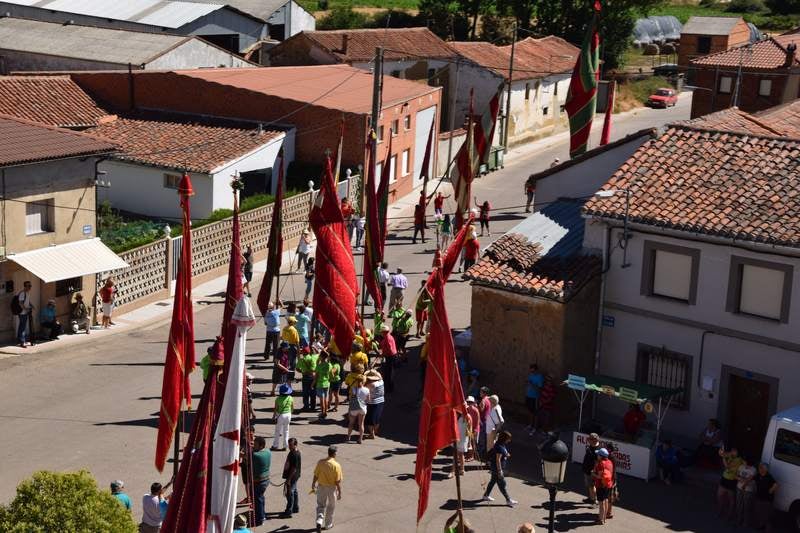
(737, 89)
(508, 90)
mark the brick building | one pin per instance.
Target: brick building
(701, 36)
(313, 99)
(770, 75)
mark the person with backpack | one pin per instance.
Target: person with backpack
(603, 474)
(22, 308)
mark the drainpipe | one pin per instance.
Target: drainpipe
(599, 336)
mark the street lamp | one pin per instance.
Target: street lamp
(554, 454)
(625, 235)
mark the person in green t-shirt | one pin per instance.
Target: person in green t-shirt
(336, 384)
(284, 404)
(455, 524)
(261, 463)
(307, 365)
(322, 382)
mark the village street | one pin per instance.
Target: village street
(94, 405)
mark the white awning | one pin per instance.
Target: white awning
(67, 261)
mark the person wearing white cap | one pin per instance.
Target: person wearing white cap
(603, 475)
(116, 491)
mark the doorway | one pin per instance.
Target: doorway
(748, 412)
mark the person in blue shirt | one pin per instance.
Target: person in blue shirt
(116, 491)
(533, 386)
(48, 320)
(272, 319)
(303, 325)
(668, 462)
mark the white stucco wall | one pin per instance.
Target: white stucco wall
(196, 54)
(301, 20)
(759, 347)
(584, 178)
(140, 189)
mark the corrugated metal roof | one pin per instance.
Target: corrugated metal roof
(84, 42)
(71, 260)
(262, 9)
(166, 14)
(710, 25)
(558, 228)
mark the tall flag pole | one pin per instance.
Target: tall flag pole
(383, 195)
(180, 346)
(335, 287)
(225, 465)
(373, 251)
(442, 396)
(426, 163)
(582, 95)
(472, 153)
(274, 245)
(233, 292)
(188, 506)
(605, 138)
(338, 168)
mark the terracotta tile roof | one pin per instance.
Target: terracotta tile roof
(541, 256)
(732, 119)
(337, 87)
(515, 264)
(731, 185)
(533, 58)
(53, 100)
(768, 54)
(784, 118)
(182, 145)
(350, 46)
(23, 142)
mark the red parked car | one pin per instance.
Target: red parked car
(663, 98)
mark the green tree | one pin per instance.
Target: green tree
(343, 17)
(444, 18)
(784, 7)
(68, 502)
(496, 28)
(569, 19)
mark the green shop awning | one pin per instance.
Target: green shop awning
(625, 389)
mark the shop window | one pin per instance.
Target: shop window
(67, 287)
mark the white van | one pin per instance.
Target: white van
(782, 453)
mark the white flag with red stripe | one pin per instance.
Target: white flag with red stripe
(472, 153)
(225, 461)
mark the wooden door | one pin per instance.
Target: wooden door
(748, 415)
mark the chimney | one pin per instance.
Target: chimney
(345, 41)
(791, 48)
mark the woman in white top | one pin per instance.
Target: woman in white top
(359, 395)
(494, 421)
(375, 402)
(303, 249)
(462, 444)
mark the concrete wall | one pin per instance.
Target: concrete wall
(301, 20)
(784, 89)
(70, 185)
(528, 120)
(140, 188)
(444, 147)
(757, 346)
(584, 178)
(196, 54)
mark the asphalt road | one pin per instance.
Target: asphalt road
(95, 407)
